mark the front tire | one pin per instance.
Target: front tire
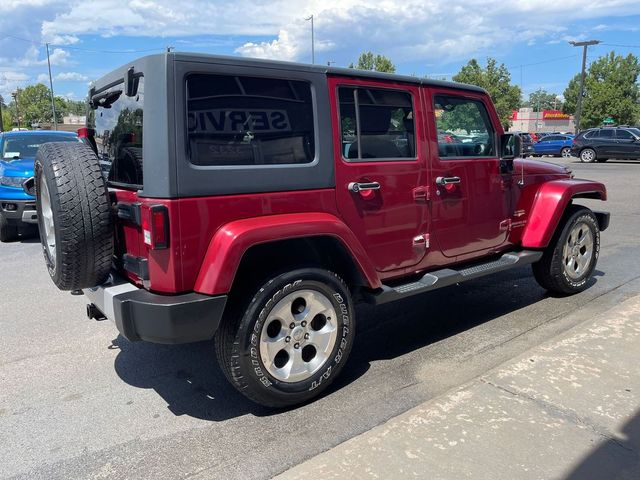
(292, 339)
(571, 257)
(588, 155)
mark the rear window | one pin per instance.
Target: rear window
(117, 120)
(26, 146)
(241, 120)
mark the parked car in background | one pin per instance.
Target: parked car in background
(527, 143)
(556, 145)
(17, 154)
(601, 144)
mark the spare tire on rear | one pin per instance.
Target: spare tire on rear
(74, 215)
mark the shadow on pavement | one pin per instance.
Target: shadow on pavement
(188, 378)
(616, 458)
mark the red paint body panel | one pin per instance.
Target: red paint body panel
(232, 240)
(551, 200)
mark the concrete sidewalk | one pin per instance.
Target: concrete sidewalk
(566, 409)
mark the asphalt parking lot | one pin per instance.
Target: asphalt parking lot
(77, 401)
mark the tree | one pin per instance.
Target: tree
(5, 121)
(611, 90)
(542, 100)
(378, 63)
(497, 81)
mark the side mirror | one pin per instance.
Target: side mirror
(510, 146)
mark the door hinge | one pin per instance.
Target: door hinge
(421, 194)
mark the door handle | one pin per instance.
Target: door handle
(447, 180)
(357, 187)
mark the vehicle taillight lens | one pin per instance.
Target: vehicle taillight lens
(155, 226)
(574, 142)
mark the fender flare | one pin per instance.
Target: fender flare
(232, 240)
(550, 203)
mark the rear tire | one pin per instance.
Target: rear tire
(74, 215)
(588, 155)
(565, 152)
(8, 232)
(572, 254)
(292, 339)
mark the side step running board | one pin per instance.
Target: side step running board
(447, 276)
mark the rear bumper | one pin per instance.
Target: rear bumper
(19, 211)
(170, 319)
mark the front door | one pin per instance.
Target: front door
(627, 146)
(380, 168)
(471, 205)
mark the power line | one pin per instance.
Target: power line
(88, 50)
(618, 45)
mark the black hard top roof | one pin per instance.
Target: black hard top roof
(305, 67)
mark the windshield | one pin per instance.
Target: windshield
(26, 146)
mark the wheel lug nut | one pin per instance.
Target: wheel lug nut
(304, 324)
(292, 325)
(287, 339)
(306, 336)
(297, 345)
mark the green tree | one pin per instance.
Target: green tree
(6, 116)
(378, 63)
(496, 80)
(542, 100)
(611, 90)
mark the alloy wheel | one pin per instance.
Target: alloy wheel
(578, 251)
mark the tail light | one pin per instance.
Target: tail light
(448, 139)
(574, 142)
(155, 226)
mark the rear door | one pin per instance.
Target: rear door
(380, 168)
(605, 143)
(471, 204)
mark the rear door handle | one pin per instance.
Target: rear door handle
(447, 180)
(357, 187)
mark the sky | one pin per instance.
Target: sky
(89, 38)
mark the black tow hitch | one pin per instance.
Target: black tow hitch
(94, 313)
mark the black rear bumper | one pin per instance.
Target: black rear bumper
(170, 319)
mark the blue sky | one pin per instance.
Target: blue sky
(422, 37)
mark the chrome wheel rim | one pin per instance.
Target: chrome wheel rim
(48, 226)
(587, 155)
(578, 251)
(566, 153)
(298, 336)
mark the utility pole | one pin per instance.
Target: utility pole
(1, 122)
(584, 46)
(53, 103)
(15, 96)
(313, 49)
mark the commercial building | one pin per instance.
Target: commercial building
(527, 120)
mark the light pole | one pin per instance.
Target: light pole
(15, 96)
(584, 46)
(53, 104)
(1, 122)
(313, 50)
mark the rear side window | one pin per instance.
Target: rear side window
(605, 133)
(376, 123)
(464, 127)
(117, 120)
(240, 120)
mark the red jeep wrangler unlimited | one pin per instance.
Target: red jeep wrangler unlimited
(254, 201)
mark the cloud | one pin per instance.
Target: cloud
(406, 30)
(9, 81)
(71, 77)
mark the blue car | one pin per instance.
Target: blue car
(556, 145)
(17, 155)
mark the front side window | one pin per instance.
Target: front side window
(624, 135)
(376, 123)
(464, 128)
(238, 120)
(117, 120)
